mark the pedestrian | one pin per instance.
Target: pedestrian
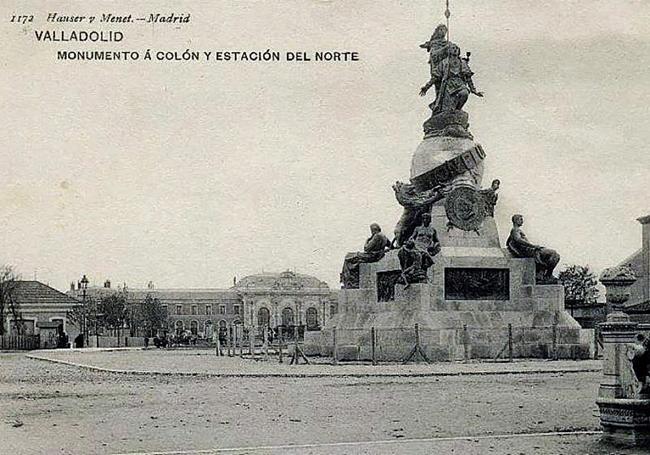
(79, 341)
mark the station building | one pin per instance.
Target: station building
(287, 302)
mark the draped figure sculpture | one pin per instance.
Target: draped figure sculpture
(373, 250)
(545, 258)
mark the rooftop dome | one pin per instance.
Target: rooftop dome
(284, 280)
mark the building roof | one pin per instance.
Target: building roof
(280, 281)
(37, 293)
(170, 294)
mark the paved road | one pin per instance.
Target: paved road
(54, 408)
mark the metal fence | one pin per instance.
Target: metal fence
(407, 344)
(458, 343)
(19, 342)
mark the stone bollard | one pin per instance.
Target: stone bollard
(624, 416)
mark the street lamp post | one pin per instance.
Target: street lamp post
(84, 286)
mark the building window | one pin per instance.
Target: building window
(236, 309)
(287, 317)
(333, 309)
(179, 309)
(263, 317)
(208, 309)
(195, 309)
(222, 309)
(164, 308)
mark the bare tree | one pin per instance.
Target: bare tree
(8, 303)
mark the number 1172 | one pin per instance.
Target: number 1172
(22, 19)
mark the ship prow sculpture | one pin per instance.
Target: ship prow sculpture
(445, 270)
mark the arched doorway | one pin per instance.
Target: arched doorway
(179, 327)
(194, 328)
(287, 327)
(263, 317)
(287, 317)
(312, 319)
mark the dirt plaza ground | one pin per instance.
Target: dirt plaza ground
(54, 408)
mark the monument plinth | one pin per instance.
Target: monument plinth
(624, 393)
(446, 270)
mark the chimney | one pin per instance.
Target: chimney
(107, 284)
(72, 285)
(234, 281)
(645, 266)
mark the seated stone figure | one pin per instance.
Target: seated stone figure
(425, 236)
(373, 250)
(416, 255)
(545, 258)
(414, 263)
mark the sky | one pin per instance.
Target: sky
(187, 174)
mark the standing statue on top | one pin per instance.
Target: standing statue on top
(436, 47)
(452, 78)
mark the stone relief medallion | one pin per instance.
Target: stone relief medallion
(465, 208)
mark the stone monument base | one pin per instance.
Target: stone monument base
(455, 330)
(479, 302)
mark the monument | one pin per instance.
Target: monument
(624, 392)
(446, 270)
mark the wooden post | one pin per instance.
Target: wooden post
(265, 342)
(280, 346)
(251, 341)
(241, 340)
(294, 357)
(417, 349)
(554, 340)
(229, 340)
(465, 343)
(218, 350)
(373, 344)
(335, 359)
(509, 342)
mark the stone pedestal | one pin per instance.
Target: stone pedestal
(624, 413)
(476, 291)
(479, 301)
